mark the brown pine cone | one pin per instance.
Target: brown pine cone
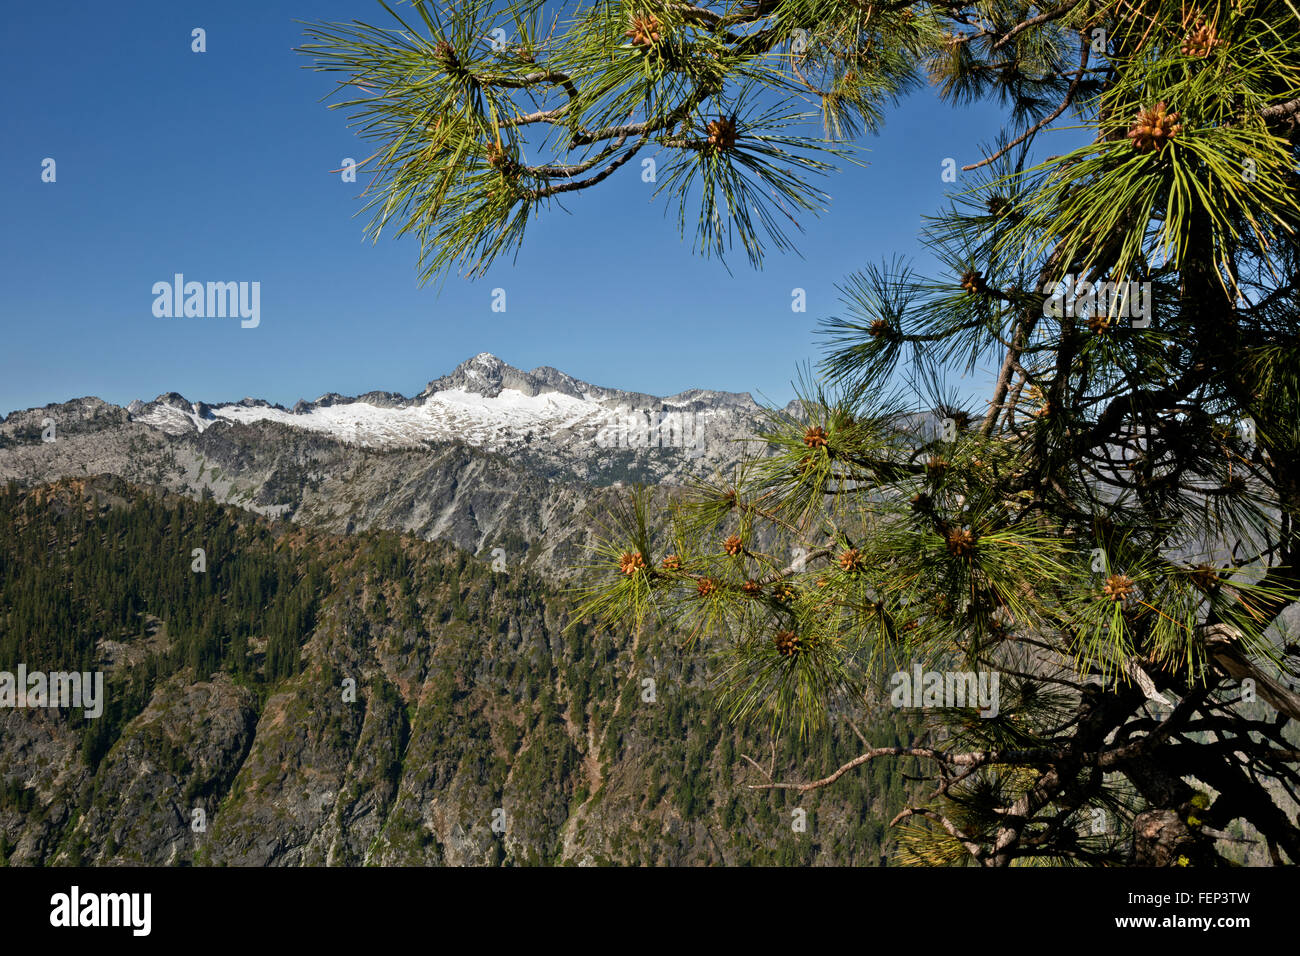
(1100, 324)
(961, 542)
(722, 133)
(997, 205)
(1202, 41)
(501, 160)
(644, 30)
(1205, 577)
(973, 282)
(631, 562)
(445, 54)
(787, 643)
(1118, 587)
(1153, 128)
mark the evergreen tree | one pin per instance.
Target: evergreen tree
(1113, 533)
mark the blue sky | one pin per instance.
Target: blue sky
(218, 166)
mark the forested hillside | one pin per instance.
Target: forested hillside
(483, 728)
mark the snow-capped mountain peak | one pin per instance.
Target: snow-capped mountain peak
(486, 403)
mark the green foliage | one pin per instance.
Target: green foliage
(1104, 532)
(548, 722)
(454, 112)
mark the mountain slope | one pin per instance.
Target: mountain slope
(232, 735)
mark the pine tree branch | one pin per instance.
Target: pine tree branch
(1042, 18)
(1065, 104)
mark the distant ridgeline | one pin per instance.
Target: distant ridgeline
(277, 695)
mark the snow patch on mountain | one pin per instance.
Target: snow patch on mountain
(543, 420)
(485, 403)
(494, 423)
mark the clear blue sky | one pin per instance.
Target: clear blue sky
(217, 165)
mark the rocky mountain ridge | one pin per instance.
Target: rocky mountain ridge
(486, 457)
